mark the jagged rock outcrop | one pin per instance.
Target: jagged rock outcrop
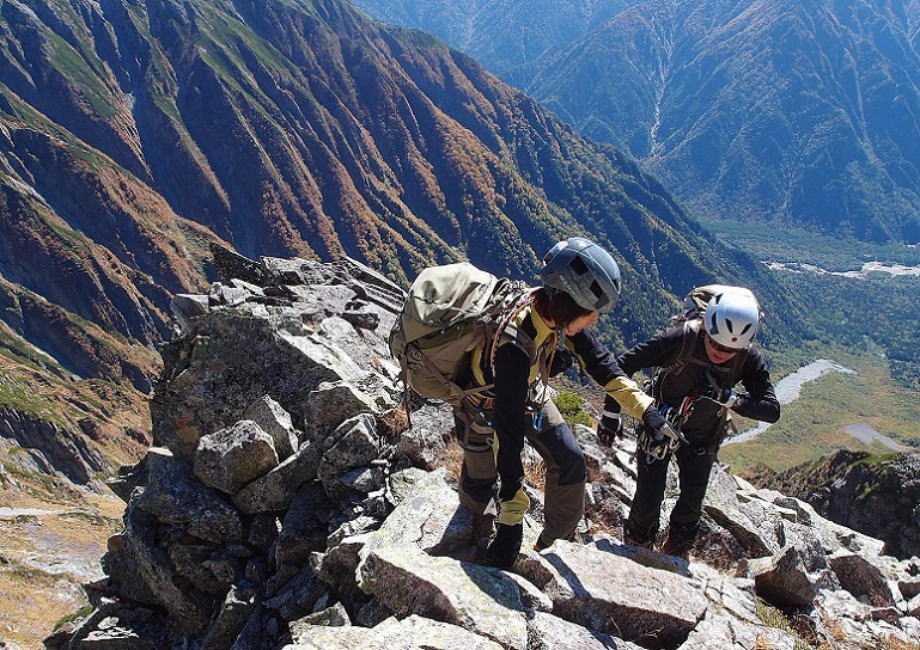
(350, 542)
(876, 495)
(783, 580)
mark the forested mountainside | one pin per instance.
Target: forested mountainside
(802, 113)
(133, 134)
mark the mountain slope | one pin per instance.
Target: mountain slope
(133, 134)
(509, 36)
(876, 495)
(296, 127)
(786, 112)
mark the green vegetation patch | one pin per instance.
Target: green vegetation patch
(803, 246)
(25, 572)
(572, 408)
(772, 617)
(93, 518)
(18, 393)
(844, 311)
(82, 76)
(77, 615)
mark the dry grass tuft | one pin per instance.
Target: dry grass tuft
(35, 596)
(394, 422)
(451, 459)
(605, 518)
(893, 643)
(535, 474)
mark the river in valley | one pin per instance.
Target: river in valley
(893, 270)
(788, 390)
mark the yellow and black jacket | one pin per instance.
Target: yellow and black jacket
(521, 359)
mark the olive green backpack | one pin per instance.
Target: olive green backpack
(448, 312)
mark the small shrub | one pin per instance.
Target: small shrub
(394, 422)
(81, 613)
(535, 474)
(451, 459)
(572, 408)
(893, 643)
(772, 617)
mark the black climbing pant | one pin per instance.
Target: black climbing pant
(694, 465)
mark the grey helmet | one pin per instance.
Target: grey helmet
(585, 271)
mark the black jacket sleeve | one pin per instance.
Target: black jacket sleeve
(511, 420)
(760, 403)
(603, 368)
(660, 350)
(595, 358)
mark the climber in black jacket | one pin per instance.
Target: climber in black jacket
(700, 361)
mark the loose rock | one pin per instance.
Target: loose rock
(782, 579)
(232, 457)
(476, 598)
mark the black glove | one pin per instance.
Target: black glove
(724, 396)
(610, 428)
(653, 421)
(504, 549)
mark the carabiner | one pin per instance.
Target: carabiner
(538, 420)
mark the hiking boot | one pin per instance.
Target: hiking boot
(504, 549)
(483, 530)
(542, 543)
(677, 546)
(629, 540)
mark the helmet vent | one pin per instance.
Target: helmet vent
(728, 324)
(746, 328)
(714, 325)
(578, 265)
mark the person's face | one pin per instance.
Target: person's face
(582, 322)
(718, 354)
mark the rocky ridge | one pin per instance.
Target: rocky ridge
(286, 502)
(877, 495)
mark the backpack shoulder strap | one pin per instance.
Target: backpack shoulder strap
(689, 341)
(691, 332)
(687, 346)
(505, 329)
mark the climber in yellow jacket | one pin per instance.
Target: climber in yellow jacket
(580, 280)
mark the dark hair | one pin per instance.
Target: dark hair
(558, 306)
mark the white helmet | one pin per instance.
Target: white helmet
(732, 317)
